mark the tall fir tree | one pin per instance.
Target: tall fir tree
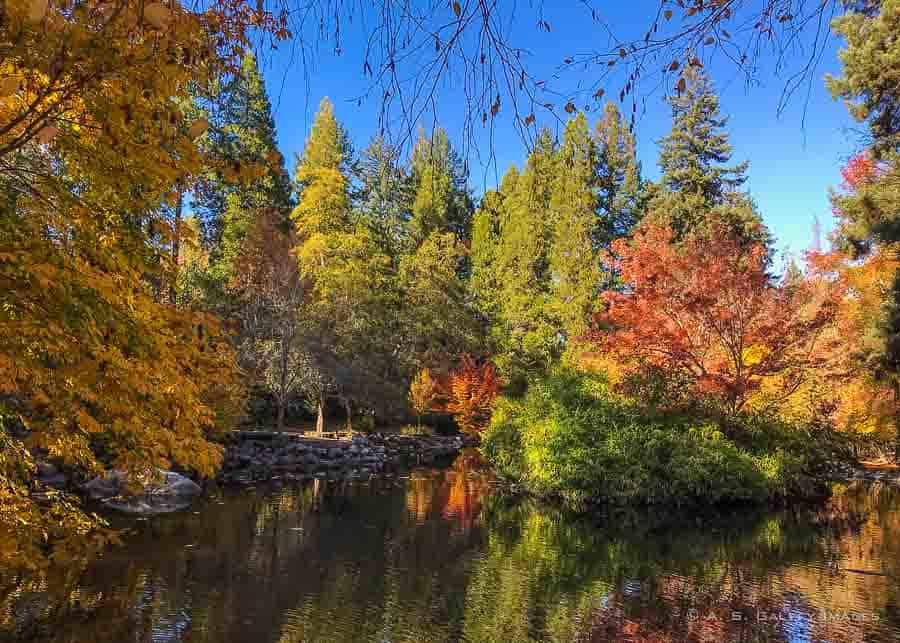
(573, 261)
(698, 187)
(242, 136)
(383, 199)
(439, 182)
(620, 191)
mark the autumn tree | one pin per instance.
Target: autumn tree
(469, 392)
(92, 357)
(270, 294)
(869, 203)
(423, 392)
(708, 313)
(349, 278)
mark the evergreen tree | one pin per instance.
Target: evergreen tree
(439, 182)
(383, 201)
(573, 262)
(618, 178)
(698, 186)
(322, 177)
(242, 136)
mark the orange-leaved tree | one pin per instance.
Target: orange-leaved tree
(469, 393)
(707, 312)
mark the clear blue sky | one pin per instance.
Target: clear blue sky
(791, 166)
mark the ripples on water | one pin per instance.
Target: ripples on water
(439, 555)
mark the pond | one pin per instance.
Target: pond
(444, 555)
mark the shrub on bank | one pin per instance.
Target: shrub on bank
(570, 436)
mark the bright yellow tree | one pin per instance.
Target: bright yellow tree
(93, 359)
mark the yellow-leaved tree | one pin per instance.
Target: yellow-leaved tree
(98, 369)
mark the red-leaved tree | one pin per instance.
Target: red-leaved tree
(468, 393)
(707, 312)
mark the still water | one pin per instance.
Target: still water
(443, 555)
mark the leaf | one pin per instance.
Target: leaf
(668, 14)
(158, 15)
(611, 63)
(599, 93)
(674, 66)
(9, 86)
(622, 52)
(46, 134)
(695, 62)
(681, 84)
(457, 9)
(570, 108)
(37, 9)
(198, 128)
(709, 40)
(529, 119)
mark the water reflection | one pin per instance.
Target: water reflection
(440, 555)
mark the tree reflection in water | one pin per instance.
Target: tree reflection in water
(441, 555)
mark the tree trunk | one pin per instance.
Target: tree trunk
(897, 421)
(176, 246)
(280, 421)
(320, 418)
(349, 415)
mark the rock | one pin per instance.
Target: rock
(172, 493)
(105, 487)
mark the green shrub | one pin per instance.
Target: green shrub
(573, 438)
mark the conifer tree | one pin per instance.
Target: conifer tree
(618, 178)
(573, 262)
(698, 187)
(242, 135)
(441, 201)
(383, 201)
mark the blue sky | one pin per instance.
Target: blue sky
(792, 161)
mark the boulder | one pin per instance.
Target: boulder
(172, 492)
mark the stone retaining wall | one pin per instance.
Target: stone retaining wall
(253, 456)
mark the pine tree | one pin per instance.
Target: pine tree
(383, 201)
(525, 332)
(698, 186)
(242, 135)
(573, 262)
(618, 177)
(439, 182)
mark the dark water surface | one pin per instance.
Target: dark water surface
(442, 555)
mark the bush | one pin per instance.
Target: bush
(570, 436)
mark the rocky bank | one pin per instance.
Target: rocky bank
(252, 457)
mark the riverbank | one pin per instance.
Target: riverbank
(255, 456)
